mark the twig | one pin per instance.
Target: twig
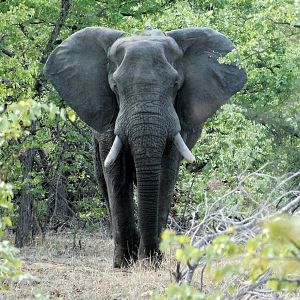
(262, 279)
(177, 274)
(7, 52)
(65, 8)
(201, 277)
(188, 273)
(246, 228)
(188, 197)
(285, 23)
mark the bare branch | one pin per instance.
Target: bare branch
(65, 8)
(285, 23)
(220, 217)
(7, 52)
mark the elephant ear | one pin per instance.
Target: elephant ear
(207, 83)
(78, 70)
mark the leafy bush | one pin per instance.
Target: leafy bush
(9, 264)
(13, 123)
(272, 256)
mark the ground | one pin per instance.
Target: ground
(84, 272)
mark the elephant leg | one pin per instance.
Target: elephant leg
(99, 174)
(119, 182)
(169, 173)
(125, 234)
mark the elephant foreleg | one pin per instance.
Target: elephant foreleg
(119, 182)
(99, 174)
(169, 173)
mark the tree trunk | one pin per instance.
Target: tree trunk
(24, 234)
(59, 208)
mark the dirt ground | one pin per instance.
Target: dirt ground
(85, 272)
(64, 273)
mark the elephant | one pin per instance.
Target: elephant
(146, 97)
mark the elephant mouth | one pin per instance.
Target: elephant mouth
(178, 141)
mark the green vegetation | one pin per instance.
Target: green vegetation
(275, 249)
(25, 112)
(9, 268)
(45, 150)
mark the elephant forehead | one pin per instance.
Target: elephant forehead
(145, 45)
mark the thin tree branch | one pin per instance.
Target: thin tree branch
(285, 23)
(7, 52)
(215, 213)
(65, 9)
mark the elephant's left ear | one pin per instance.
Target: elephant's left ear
(207, 83)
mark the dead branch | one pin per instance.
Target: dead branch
(261, 280)
(220, 219)
(7, 52)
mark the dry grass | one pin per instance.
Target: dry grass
(86, 273)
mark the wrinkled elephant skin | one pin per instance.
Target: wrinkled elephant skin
(146, 98)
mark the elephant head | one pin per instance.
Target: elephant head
(150, 88)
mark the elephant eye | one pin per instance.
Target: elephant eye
(115, 87)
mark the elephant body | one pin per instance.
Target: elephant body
(146, 97)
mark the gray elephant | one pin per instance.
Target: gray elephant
(146, 97)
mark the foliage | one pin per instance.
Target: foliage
(265, 33)
(25, 33)
(275, 249)
(16, 118)
(9, 266)
(25, 112)
(19, 115)
(258, 126)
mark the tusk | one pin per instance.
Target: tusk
(114, 152)
(183, 149)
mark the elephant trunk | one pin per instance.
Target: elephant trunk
(147, 125)
(147, 140)
(148, 184)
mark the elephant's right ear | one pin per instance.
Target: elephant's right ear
(78, 70)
